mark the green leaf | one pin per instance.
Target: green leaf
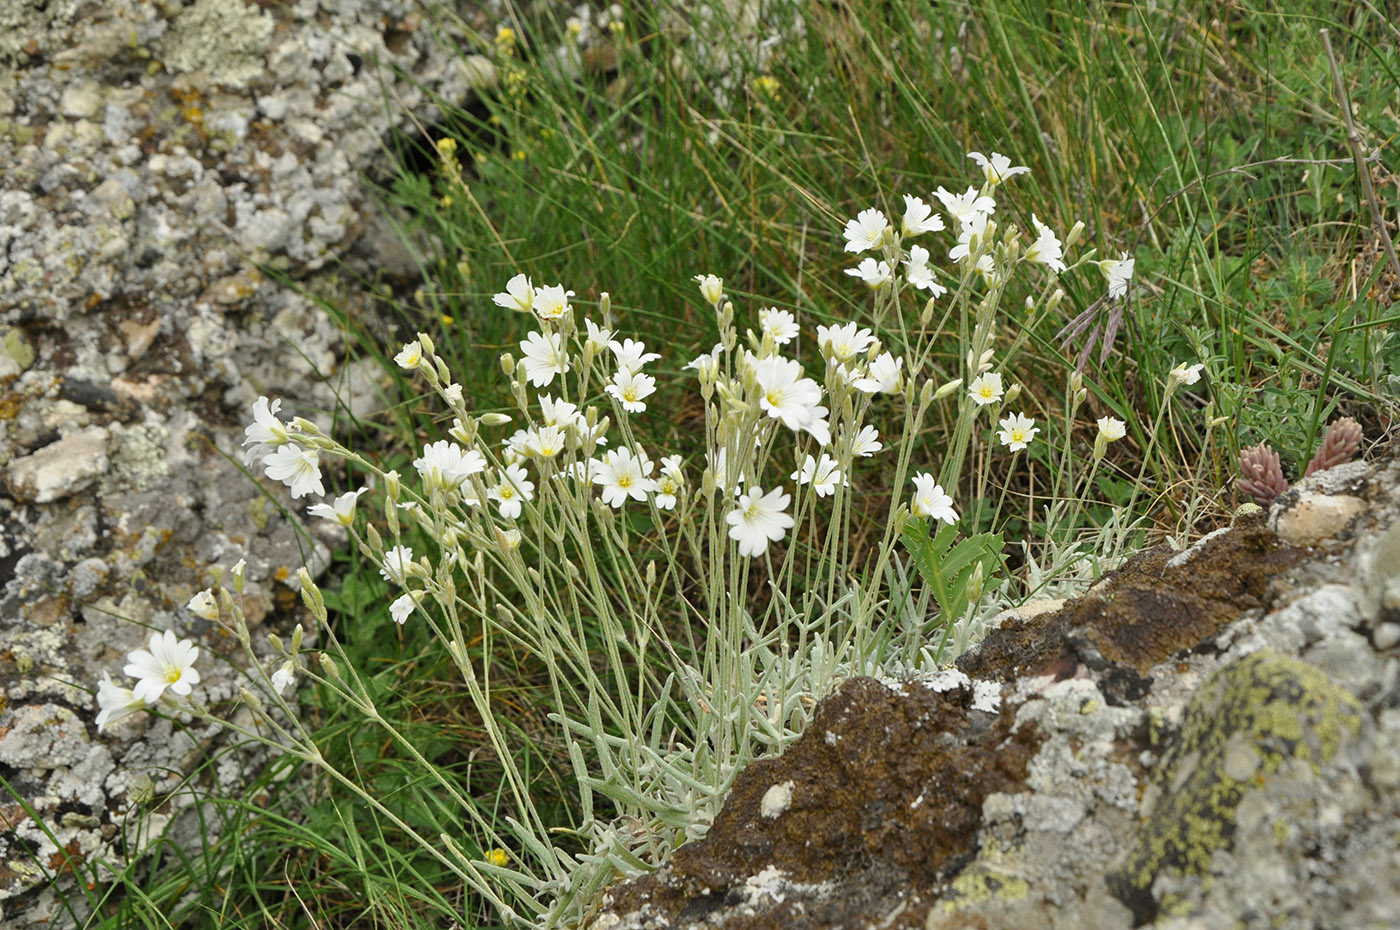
(947, 568)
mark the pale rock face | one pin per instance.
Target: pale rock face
(60, 469)
(1313, 517)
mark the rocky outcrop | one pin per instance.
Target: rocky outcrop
(161, 165)
(1206, 738)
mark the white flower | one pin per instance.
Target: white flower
(1186, 374)
(519, 295)
(930, 500)
(873, 273)
(551, 302)
(284, 677)
(398, 562)
(790, 397)
(845, 342)
(622, 475)
(919, 217)
(630, 388)
(299, 469)
(445, 465)
(883, 377)
(707, 365)
(986, 388)
(1017, 431)
(598, 337)
(780, 324)
(822, 474)
(115, 702)
(866, 443)
(918, 272)
(866, 231)
(342, 511)
(545, 442)
(997, 168)
(631, 354)
(204, 605)
(169, 663)
(711, 288)
(719, 467)
(559, 413)
(1112, 429)
(669, 484)
(545, 357)
(967, 205)
(1046, 250)
(513, 490)
(758, 519)
(266, 433)
(1118, 272)
(410, 356)
(974, 227)
(401, 608)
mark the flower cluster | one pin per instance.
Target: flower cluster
(163, 671)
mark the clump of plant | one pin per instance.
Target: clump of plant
(1261, 471)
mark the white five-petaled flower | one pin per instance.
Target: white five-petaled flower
(403, 606)
(545, 442)
(1046, 249)
(630, 388)
(711, 288)
(545, 357)
(398, 562)
(707, 364)
(867, 231)
(973, 228)
(299, 469)
(551, 302)
(342, 511)
(669, 484)
(168, 663)
(758, 519)
(631, 355)
(986, 388)
(962, 207)
(519, 295)
(445, 465)
(1112, 429)
(115, 702)
(884, 376)
(919, 217)
(410, 356)
(510, 494)
(874, 273)
(844, 342)
(203, 605)
(930, 500)
(598, 337)
(780, 324)
(1186, 374)
(822, 474)
(1017, 431)
(788, 396)
(622, 475)
(559, 413)
(919, 273)
(997, 168)
(866, 443)
(1118, 272)
(266, 433)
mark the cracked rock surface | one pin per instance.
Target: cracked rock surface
(1207, 738)
(155, 157)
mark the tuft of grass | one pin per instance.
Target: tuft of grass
(1203, 141)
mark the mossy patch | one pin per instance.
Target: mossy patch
(1249, 720)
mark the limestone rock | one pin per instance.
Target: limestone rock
(60, 469)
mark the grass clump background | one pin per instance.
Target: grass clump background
(630, 150)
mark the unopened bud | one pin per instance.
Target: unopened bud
(926, 393)
(426, 342)
(1012, 393)
(254, 703)
(392, 487)
(926, 315)
(276, 642)
(238, 569)
(651, 576)
(1080, 396)
(327, 663)
(605, 303)
(493, 419)
(373, 540)
(297, 635)
(1076, 381)
(948, 388)
(1054, 300)
(1074, 233)
(974, 584)
(508, 364)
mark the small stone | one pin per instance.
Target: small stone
(60, 469)
(776, 800)
(1315, 517)
(80, 101)
(1386, 635)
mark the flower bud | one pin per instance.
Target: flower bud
(238, 570)
(374, 541)
(493, 419)
(508, 364)
(297, 634)
(948, 388)
(927, 393)
(1080, 395)
(926, 315)
(1076, 381)
(605, 304)
(427, 342)
(254, 703)
(275, 642)
(1074, 233)
(1054, 300)
(711, 288)
(327, 663)
(974, 585)
(1012, 393)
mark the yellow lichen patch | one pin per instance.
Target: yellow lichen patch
(980, 883)
(1251, 719)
